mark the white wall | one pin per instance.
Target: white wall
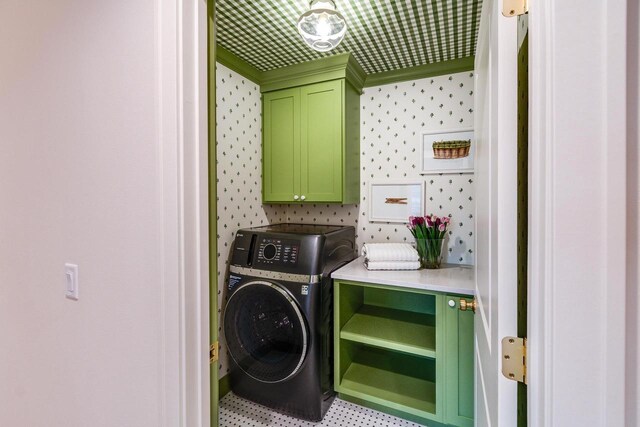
(80, 182)
(633, 215)
(578, 351)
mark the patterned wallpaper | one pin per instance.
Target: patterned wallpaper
(239, 153)
(393, 118)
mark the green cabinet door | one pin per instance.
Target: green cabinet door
(459, 360)
(321, 141)
(281, 146)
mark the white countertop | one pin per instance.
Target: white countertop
(450, 278)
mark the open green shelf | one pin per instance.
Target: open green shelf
(400, 382)
(405, 331)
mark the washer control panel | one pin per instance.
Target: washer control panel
(276, 251)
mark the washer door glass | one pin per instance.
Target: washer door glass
(265, 331)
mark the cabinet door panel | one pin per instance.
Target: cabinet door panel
(321, 141)
(459, 365)
(281, 146)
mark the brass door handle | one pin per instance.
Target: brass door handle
(468, 305)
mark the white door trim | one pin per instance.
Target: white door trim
(577, 272)
(182, 127)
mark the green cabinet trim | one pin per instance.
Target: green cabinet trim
(341, 66)
(404, 351)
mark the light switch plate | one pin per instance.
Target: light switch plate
(71, 281)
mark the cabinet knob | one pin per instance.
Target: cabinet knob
(303, 197)
(468, 305)
(452, 303)
(296, 197)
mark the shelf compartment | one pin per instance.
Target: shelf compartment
(394, 380)
(399, 330)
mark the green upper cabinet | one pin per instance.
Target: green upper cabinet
(321, 142)
(311, 140)
(281, 145)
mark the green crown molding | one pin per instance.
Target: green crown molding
(238, 65)
(420, 72)
(342, 66)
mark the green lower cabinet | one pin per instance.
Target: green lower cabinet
(393, 353)
(459, 364)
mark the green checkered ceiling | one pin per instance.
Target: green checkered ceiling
(381, 35)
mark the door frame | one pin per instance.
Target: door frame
(577, 283)
(182, 130)
(495, 104)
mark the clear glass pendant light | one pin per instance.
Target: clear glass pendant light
(322, 27)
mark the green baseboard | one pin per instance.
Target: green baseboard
(224, 386)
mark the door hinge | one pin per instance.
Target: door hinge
(514, 358)
(213, 352)
(511, 8)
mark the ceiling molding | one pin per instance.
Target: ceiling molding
(421, 71)
(335, 67)
(240, 66)
(341, 66)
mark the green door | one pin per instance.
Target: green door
(321, 147)
(281, 149)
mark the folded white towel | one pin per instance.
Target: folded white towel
(389, 252)
(392, 265)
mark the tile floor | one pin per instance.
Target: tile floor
(238, 412)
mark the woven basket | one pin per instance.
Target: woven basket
(451, 149)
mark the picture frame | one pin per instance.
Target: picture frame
(396, 201)
(433, 165)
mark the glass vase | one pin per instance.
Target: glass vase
(430, 252)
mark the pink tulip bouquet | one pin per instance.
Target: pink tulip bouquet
(430, 232)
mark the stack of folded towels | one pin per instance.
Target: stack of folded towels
(390, 256)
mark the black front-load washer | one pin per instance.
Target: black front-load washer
(278, 315)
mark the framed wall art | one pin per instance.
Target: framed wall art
(450, 151)
(395, 201)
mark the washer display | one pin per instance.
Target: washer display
(274, 251)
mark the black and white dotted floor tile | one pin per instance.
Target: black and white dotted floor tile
(238, 412)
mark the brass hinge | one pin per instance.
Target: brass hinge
(511, 8)
(213, 352)
(514, 358)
